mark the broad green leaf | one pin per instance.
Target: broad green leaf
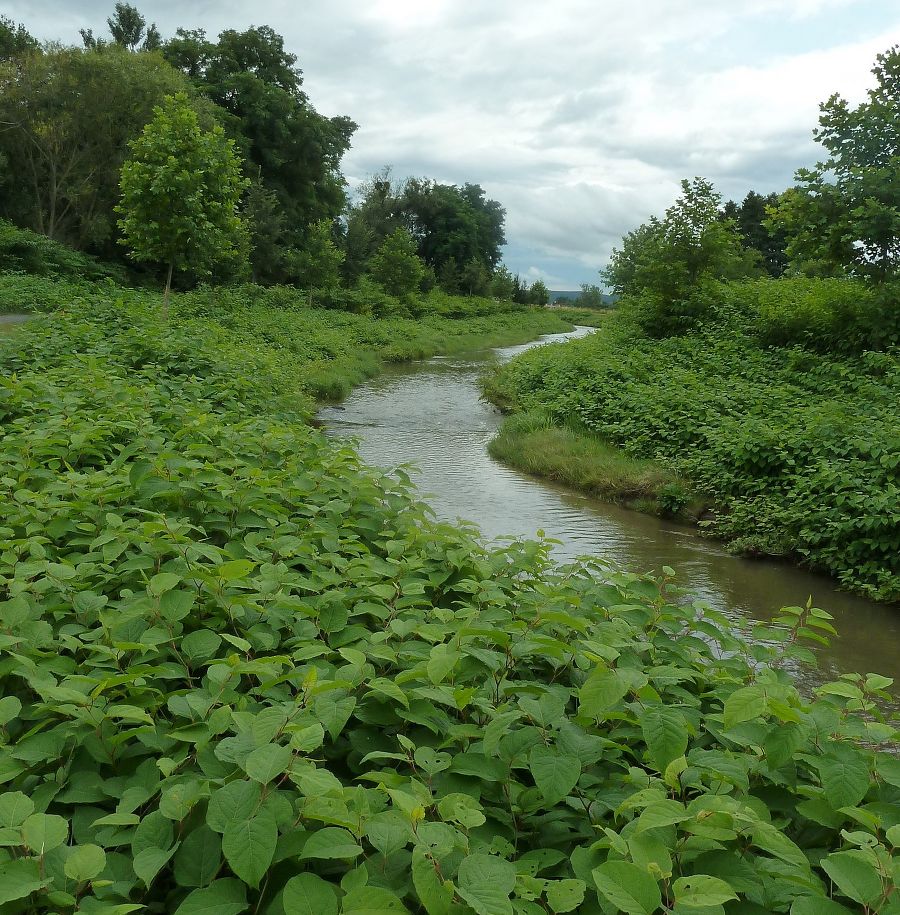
(224, 897)
(85, 862)
(249, 846)
(149, 862)
(198, 859)
(390, 689)
(565, 895)
(856, 878)
(485, 882)
(435, 894)
(331, 842)
(627, 887)
(308, 894)
(266, 763)
(700, 890)
(775, 842)
(154, 831)
(10, 707)
(235, 569)
(19, 878)
(15, 808)
(43, 832)
(372, 900)
(845, 776)
(744, 704)
(661, 813)
(555, 774)
(235, 802)
(600, 692)
(665, 733)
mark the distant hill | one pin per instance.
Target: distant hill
(570, 295)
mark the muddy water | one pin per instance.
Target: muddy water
(430, 415)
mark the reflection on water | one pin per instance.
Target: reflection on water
(430, 415)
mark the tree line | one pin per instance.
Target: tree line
(73, 120)
(841, 219)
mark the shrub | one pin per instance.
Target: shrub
(24, 251)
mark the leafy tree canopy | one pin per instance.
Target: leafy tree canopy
(757, 232)
(662, 261)
(396, 267)
(69, 115)
(844, 214)
(15, 40)
(180, 192)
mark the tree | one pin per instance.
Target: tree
(67, 117)
(396, 267)
(317, 265)
(126, 26)
(180, 193)
(474, 278)
(590, 297)
(15, 41)
(664, 263)
(538, 294)
(294, 151)
(844, 214)
(502, 284)
(757, 233)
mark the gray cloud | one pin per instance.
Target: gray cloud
(580, 117)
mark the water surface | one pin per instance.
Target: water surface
(430, 414)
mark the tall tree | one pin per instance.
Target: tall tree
(294, 150)
(844, 214)
(180, 193)
(752, 219)
(15, 41)
(126, 26)
(67, 116)
(396, 267)
(662, 262)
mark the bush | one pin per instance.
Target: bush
(24, 251)
(827, 315)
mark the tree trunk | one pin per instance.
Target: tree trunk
(165, 308)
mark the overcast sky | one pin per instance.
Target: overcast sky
(579, 117)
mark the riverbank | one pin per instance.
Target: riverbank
(318, 353)
(797, 451)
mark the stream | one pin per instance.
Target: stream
(430, 415)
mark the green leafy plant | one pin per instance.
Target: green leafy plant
(242, 672)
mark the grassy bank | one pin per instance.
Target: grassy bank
(243, 672)
(325, 351)
(796, 449)
(531, 442)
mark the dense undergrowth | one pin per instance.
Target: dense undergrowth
(242, 672)
(319, 351)
(797, 447)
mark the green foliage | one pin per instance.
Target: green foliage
(844, 214)
(15, 41)
(69, 117)
(395, 266)
(539, 294)
(180, 191)
(752, 218)
(662, 263)
(23, 251)
(797, 450)
(317, 265)
(241, 671)
(292, 150)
